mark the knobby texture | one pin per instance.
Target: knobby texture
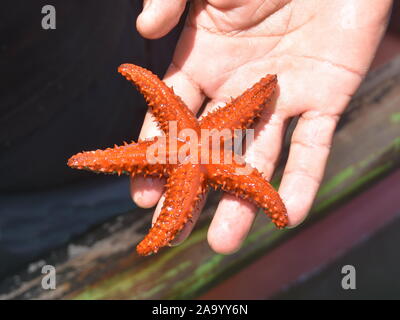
(189, 177)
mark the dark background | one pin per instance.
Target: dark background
(60, 93)
(59, 89)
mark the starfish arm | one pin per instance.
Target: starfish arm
(165, 104)
(129, 158)
(241, 112)
(235, 179)
(185, 186)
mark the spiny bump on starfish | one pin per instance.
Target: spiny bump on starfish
(188, 182)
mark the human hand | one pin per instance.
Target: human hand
(320, 50)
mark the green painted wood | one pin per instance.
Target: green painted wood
(103, 264)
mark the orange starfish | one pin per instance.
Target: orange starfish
(188, 178)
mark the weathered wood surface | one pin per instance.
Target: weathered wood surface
(103, 263)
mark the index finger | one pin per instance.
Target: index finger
(308, 155)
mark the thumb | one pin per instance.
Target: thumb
(159, 17)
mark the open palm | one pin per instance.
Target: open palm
(320, 51)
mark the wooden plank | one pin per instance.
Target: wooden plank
(103, 265)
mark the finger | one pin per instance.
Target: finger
(159, 17)
(147, 191)
(234, 217)
(309, 150)
(230, 224)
